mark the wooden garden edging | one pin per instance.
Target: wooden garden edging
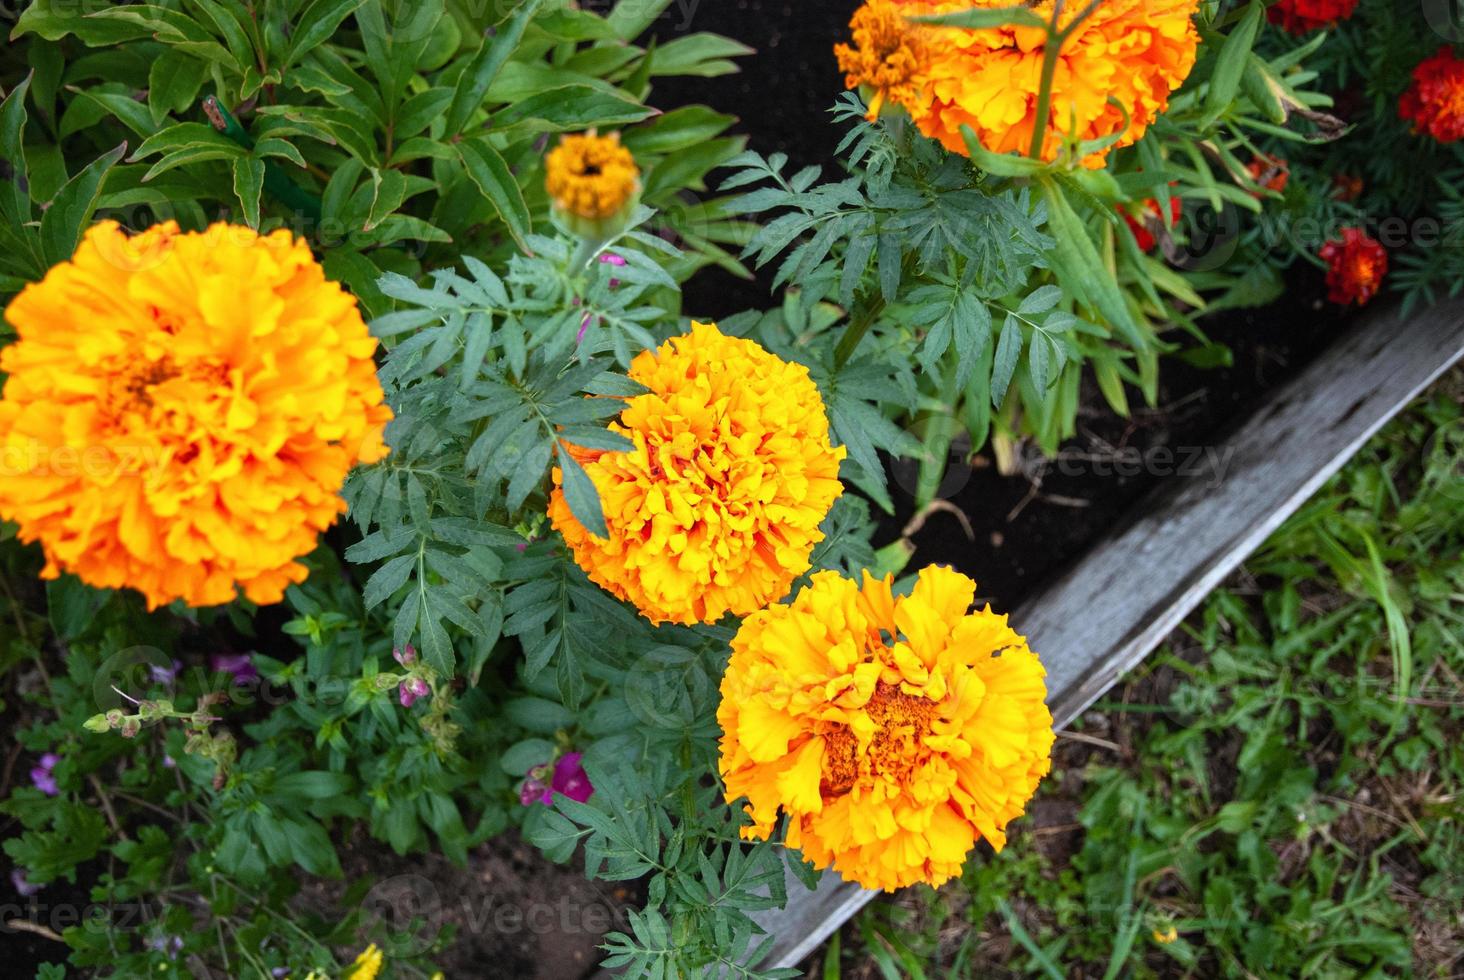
(1115, 605)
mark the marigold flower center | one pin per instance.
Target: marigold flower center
(901, 720)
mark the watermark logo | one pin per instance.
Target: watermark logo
(1203, 239)
(665, 687)
(1445, 18)
(126, 676)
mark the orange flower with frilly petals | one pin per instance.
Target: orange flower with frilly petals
(1434, 103)
(182, 409)
(893, 731)
(717, 507)
(1134, 51)
(1356, 265)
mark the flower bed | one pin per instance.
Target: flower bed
(560, 548)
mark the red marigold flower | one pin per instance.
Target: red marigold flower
(1145, 230)
(1355, 267)
(1270, 172)
(1434, 103)
(1301, 16)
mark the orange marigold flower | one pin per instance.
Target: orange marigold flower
(1302, 16)
(1270, 172)
(1434, 103)
(893, 731)
(591, 178)
(1134, 51)
(718, 505)
(1355, 267)
(1146, 229)
(181, 411)
(1346, 187)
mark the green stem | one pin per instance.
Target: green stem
(864, 316)
(1055, 40)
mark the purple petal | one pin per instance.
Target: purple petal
(42, 780)
(570, 778)
(238, 664)
(533, 791)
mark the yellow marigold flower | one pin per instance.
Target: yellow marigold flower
(181, 411)
(1134, 51)
(591, 179)
(892, 730)
(717, 507)
(367, 966)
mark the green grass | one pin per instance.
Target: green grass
(1280, 784)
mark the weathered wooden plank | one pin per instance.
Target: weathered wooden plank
(1114, 606)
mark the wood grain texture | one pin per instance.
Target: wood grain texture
(1114, 606)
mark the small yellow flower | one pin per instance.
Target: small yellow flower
(1166, 935)
(892, 731)
(367, 966)
(591, 179)
(717, 506)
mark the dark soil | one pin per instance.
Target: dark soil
(508, 913)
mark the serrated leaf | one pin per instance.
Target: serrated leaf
(387, 579)
(436, 646)
(1008, 350)
(581, 495)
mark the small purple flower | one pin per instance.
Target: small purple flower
(41, 776)
(169, 762)
(172, 945)
(579, 337)
(534, 789)
(618, 261)
(238, 664)
(411, 689)
(165, 675)
(406, 656)
(23, 888)
(568, 777)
